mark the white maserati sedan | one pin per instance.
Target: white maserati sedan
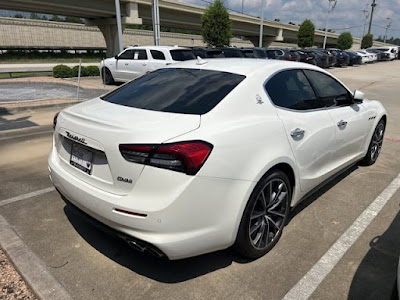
(204, 155)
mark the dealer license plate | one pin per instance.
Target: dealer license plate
(81, 158)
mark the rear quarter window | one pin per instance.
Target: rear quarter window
(182, 55)
(175, 90)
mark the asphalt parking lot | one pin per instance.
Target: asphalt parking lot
(91, 265)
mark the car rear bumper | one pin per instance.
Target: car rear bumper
(197, 216)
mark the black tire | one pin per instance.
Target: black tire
(375, 145)
(107, 76)
(264, 218)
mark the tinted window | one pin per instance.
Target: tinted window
(271, 54)
(128, 54)
(248, 53)
(291, 89)
(215, 54)
(157, 54)
(187, 91)
(182, 55)
(260, 53)
(232, 53)
(140, 54)
(199, 52)
(327, 88)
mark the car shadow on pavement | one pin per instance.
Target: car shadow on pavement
(376, 275)
(18, 123)
(320, 191)
(159, 269)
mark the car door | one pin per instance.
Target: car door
(310, 130)
(139, 65)
(157, 60)
(350, 119)
(122, 65)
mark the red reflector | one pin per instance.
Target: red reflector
(130, 212)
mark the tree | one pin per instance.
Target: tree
(345, 41)
(56, 18)
(216, 25)
(19, 16)
(367, 41)
(305, 37)
(70, 19)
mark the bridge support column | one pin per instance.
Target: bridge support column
(109, 29)
(110, 33)
(268, 40)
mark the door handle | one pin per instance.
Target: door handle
(297, 132)
(126, 64)
(341, 123)
(144, 64)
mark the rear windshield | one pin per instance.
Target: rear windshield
(185, 91)
(182, 55)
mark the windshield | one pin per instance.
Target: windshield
(185, 91)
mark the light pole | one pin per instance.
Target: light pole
(119, 26)
(156, 23)
(331, 7)
(366, 15)
(387, 27)
(242, 6)
(260, 43)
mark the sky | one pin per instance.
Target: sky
(347, 15)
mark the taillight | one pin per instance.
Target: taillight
(55, 120)
(187, 157)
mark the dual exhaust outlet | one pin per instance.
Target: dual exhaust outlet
(142, 247)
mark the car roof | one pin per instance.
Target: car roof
(159, 47)
(242, 66)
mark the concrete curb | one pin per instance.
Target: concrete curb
(32, 269)
(15, 109)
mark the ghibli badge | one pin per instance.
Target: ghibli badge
(127, 180)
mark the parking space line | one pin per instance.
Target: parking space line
(310, 281)
(26, 196)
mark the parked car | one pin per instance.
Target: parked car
(365, 56)
(306, 57)
(382, 55)
(231, 52)
(135, 61)
(164, 162)
(331, 57)
(391, 51)
(295, 55)
(354, 58)
(342, 59)
(207, 52)
(253, 52)
(278, 53)
(321, 57)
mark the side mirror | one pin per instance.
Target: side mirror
(116, 56)
(358, 96)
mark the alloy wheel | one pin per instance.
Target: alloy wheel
(268, 214)
(377, 141)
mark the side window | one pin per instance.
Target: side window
(140, 54)
(328, 89)
(291, 89)
(157, 54)
(128, 54)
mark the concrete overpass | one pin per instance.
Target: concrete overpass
(173, 14)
